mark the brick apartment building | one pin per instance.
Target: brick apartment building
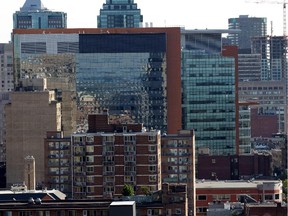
(104, 159)
(58, 162)
(178, 158)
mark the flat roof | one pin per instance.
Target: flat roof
(237, 184)
(122, 203)
(210, 31)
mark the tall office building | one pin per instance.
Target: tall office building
(120, 14)
(209, 91)
(250, 27)
(134, 71)
(33, 14)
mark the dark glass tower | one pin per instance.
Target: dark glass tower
(250, 27)
(119, 14)
(34, 15)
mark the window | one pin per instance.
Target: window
(109, 179)
(129, 178)
(129, 139)
(90, 169)
(90, 149)
(90, 189)
(90, 158)
(178, 211)
(213, 161)
(152, 138)
(152, 212)
(90, 139)
(221, 197)
(277, 196)
(201, 197)
(268, 197)
(152, 158)
(152, 148)
(168, 212)
(152, 168)
(152, 178)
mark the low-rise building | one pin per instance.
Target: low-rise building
(232, 191)
(171, 200)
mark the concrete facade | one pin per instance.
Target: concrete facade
(28, 117)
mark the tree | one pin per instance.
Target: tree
(145, 190)
(128, 190)
(285, 189)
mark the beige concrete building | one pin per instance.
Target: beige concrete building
(65, 93)
(27, 119)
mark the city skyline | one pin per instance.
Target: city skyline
(191, 17)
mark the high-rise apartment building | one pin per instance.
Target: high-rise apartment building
(134, 71)
(33, 14)
(250, 27)
(27, 119)
(6, 67)
(178, 162)
(209, 92)
(120, 14)
(58, 164)
(111, 155)
(6, 86)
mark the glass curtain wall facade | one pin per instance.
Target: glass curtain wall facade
(119, 14)
(208, 100)
(125, 73)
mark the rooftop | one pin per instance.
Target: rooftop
(207, 184)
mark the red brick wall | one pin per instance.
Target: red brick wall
(263, 125)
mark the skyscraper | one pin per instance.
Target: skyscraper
(119, 14)
(135, 71)
(250, 27)
(209, 96)
(33, 14)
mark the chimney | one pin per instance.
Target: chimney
(29, 173)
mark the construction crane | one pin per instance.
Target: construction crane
(283, 2)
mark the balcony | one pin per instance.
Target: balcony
(108, 163)
(130, 173)
(130, 153)
(108, 153)
(80, 184)
(108, 173)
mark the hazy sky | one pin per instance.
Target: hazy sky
(200, 14)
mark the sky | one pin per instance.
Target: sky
(191, 14)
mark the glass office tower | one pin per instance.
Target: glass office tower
(119, 14)
(34, 15)
(208, 83)
(125, 73)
